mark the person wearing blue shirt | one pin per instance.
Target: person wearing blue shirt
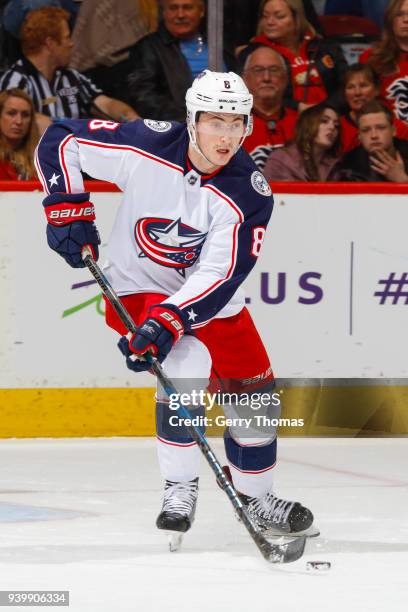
(164, 63)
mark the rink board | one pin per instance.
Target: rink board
(326, 411)
(329, 296)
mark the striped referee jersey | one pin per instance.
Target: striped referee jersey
(68, 95)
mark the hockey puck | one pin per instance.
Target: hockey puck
(319, 566)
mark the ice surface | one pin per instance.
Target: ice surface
(79, 515)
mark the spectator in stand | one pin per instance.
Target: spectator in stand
(361, 85)
(165, 62)
(18, 136)
(389, 58)
(240, 19)
(57, 92)
(315, 153)
(316, 65)
(381, 156)
(15, 12)
(266, 75)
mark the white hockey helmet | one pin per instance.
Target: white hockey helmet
(218, 92)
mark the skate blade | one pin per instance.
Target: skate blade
(310, 532)
(175, 539)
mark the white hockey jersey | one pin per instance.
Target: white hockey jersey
(190, 236)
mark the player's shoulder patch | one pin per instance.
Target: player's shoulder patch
(157, 126)
(260, 184)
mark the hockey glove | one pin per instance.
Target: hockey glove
(164, 326)
(71, 226)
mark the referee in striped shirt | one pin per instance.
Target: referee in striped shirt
(57, 91)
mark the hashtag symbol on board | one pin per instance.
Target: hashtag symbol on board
(393, 288)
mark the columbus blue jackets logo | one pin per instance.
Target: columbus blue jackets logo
(169, 243)
(157, 126)
(260, 184)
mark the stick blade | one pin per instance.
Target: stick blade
(284, 552)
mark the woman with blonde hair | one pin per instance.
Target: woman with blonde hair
(315, 153)
(316, 65)
(389, 58)
(18, 135)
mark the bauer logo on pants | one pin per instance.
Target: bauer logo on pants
(169, 243)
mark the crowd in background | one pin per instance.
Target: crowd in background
(329, 77)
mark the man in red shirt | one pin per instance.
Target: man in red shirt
(265, 74)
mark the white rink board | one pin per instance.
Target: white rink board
(346, 333)
(352, 241)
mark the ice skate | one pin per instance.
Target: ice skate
(280, 517)
(178, 510)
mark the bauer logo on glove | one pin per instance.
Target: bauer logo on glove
(71, 226)
(56, 215)
(164, 326)
(174, 322)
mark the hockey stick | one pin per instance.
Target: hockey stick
(285, 552)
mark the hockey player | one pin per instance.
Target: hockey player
(188, 232)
